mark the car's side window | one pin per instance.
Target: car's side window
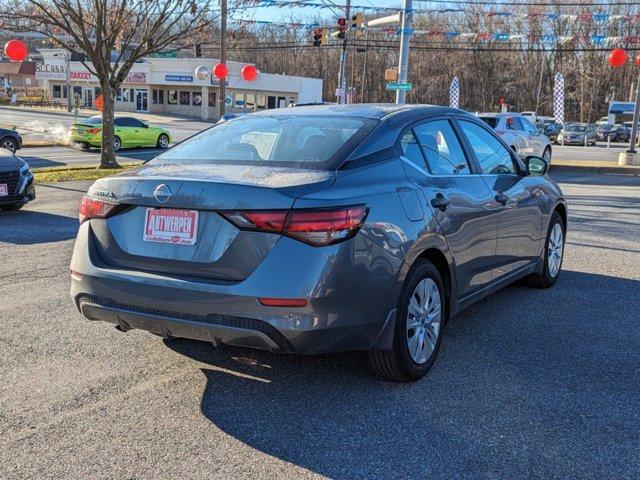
(492, 156)
(528, 126)
(514, 123)
(441, 148)
(411, 149)
(118, 122)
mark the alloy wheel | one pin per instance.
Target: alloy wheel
(424, 316)
(164, 141)
(555, 249)
(9, 145)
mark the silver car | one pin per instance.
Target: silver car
(521, 135)
(319, 229)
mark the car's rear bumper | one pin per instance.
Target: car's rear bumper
(347, 307)
(93, 140)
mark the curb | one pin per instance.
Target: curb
(613, 169)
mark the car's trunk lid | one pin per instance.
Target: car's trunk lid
(219, 250)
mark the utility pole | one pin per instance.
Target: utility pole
(342, 74)
(67, 67)
(535, 115)
(223, 55)
(636, 118)
(405, 36)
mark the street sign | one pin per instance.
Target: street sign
(399, 86)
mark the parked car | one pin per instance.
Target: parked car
(616, 133)
(10, 140)
(16, 181)
(602, 121)
(319, 229)
(519, 133)
(575, 133)
(129, 132)
(549, 128)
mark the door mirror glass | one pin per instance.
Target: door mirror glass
(536, 166)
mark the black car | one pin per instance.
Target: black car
(16, 182)
(616, 133)
(10, 139)
(549, 128)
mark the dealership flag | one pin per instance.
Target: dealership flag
(454, 93)
(558, 99)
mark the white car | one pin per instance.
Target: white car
(519, 133)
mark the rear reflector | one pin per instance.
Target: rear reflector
(93, 130)
(316, 227)
(92, 208)
(283, 302)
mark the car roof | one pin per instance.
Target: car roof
(362, 110)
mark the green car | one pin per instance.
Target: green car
(129, 132)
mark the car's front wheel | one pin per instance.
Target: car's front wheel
(9, 144)
(553, 254)
(163, 141)
(419, 328)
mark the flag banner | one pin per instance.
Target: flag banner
(454, 93)
(558, 99)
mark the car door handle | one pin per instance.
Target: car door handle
(501, 198)
(440, 202)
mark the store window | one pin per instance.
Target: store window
(119, 94)
(172, 97)
(196, 98)
(240, 102)
(158, 97)
(251, 100)
(184, 98)
(57, 91)
(212, 99)
(271, 101)
(127, 95)
(261, 101)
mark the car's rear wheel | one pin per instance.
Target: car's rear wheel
(553, 255)
(11, 208)
(419, 328)
(163, 141)
(9, 144)
(117, 144)
(85, 146)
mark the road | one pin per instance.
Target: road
(529, 383)
(65, 156)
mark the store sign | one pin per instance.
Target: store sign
(178, 78)
(46, 71)
(80, 76)
(136, 78)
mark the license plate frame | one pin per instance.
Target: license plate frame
(170, 225)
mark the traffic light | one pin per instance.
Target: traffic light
(198, 50)
(356, 24)
(342, 28)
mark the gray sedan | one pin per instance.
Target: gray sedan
(319, 229)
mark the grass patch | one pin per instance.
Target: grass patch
(65, 174)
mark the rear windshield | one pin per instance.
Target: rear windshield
(491, 121)
(307, 141)
(95, 120)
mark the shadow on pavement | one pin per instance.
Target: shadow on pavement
(529, 382)
(41, 162)
(27, 227)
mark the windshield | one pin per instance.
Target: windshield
(309, 141)
(95, 120)
(491, 121)
(576, 128)
(607, 126)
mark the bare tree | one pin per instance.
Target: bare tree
(113, 35)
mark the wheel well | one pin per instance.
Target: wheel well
(436, 257)
(562, 210)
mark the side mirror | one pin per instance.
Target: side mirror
(536, 166)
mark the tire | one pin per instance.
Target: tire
(163, 141)
(12, 208)
(9, 143)
(85, 146)
(117, 143)
(400, 364)
(546, 155)
(550, 273)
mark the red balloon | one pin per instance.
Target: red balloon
(16, 50)
(638, 60)
(249, 73)
(220, 71)
(617, 57)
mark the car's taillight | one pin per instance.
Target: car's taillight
(93, 130)
(316, 227)
(92, 208)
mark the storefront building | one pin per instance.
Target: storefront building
(169, 85)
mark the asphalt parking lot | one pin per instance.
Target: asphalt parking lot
(529, 383)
